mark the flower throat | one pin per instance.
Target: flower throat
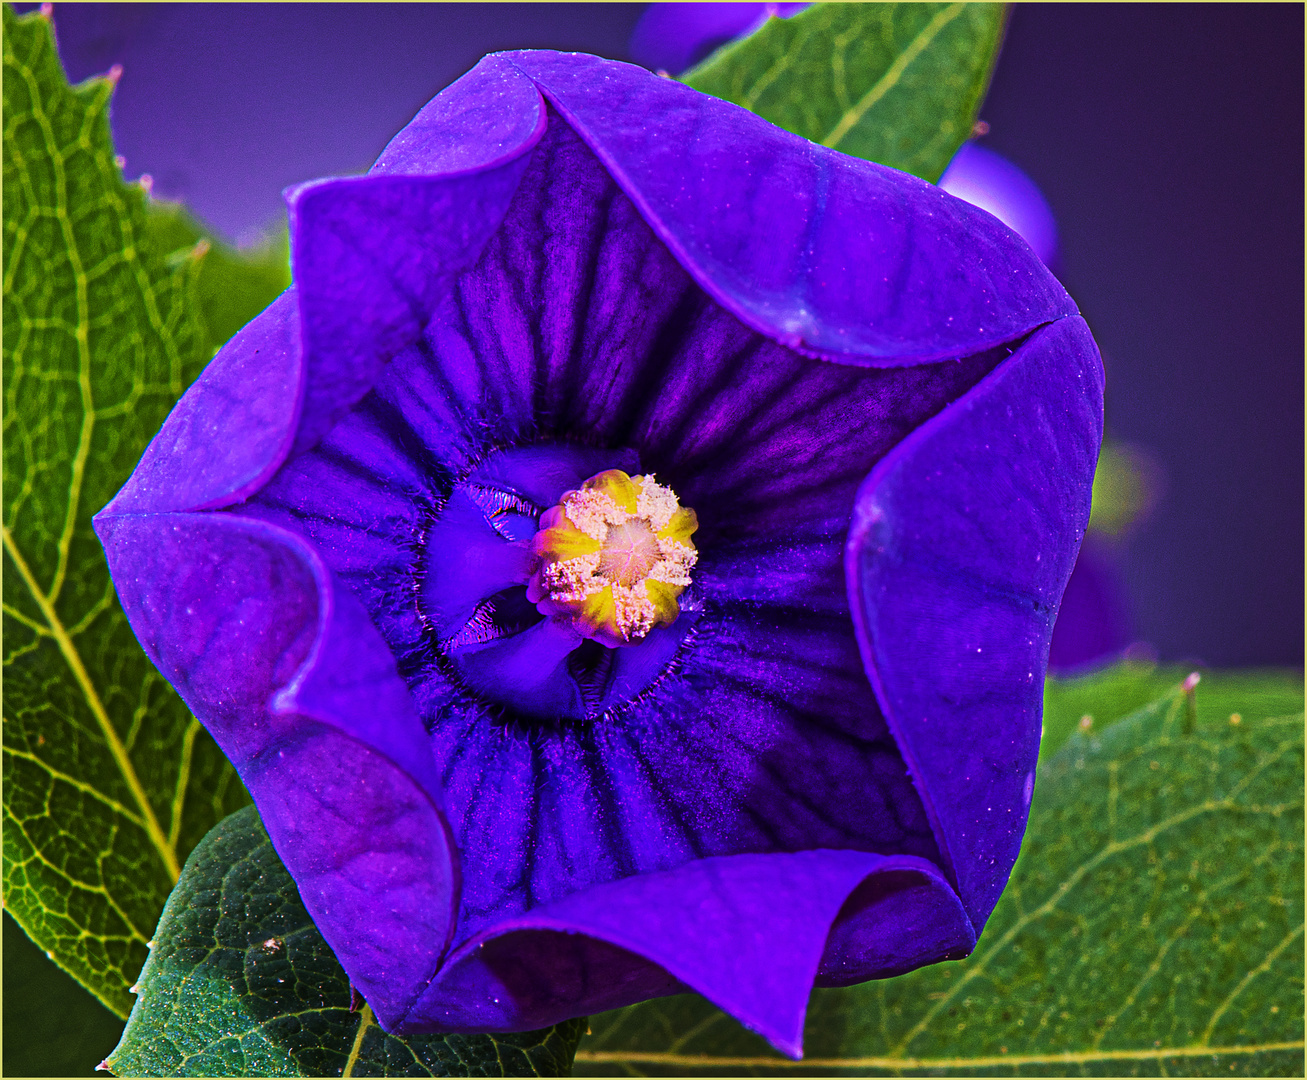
(613, 557)
(553, 581)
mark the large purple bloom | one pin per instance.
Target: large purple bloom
(885, 413)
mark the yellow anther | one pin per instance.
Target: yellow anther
(613, 557)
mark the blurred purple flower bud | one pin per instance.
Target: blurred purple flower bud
(675, 37)
(988, 180)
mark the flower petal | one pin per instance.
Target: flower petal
(827, 253)
(285, 670)
(387, 244)
(373, 255)
(749, 932)
(531, 665)
(466, 562)
(962, 541)
(484, 119)
(578, 323)
(232, 428)
(767, 738)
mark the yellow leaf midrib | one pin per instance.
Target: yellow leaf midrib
(165, 846)
(851, 117)
(1069, 1057)
(167, 853)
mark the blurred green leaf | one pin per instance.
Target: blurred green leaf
(108, 780)
(1094, 701)
(1152, 926)
(240, 983)
(898, 84)
(232, 284)
(52, 1026)
(1125, 488)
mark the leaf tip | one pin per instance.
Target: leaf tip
(114, 74)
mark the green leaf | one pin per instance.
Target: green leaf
(1153, 924)
(108, 780)
(240, 983)
(1125, 488)
(1092, 702)
(899, 84)
(232, 284)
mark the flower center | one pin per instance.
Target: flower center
(550, 596)
(612, 558)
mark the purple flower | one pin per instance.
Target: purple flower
(988, 180)
(789, 742)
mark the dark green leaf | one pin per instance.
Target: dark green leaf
(52, 1026)
(240, 983)
(108, 780)
(1153, 924)
(894, 83)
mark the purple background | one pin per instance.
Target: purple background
(1167, 138)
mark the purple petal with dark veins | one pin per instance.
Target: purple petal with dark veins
(286, 671)
(962, 541)
(828, 253)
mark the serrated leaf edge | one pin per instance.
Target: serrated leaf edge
(55, 628)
